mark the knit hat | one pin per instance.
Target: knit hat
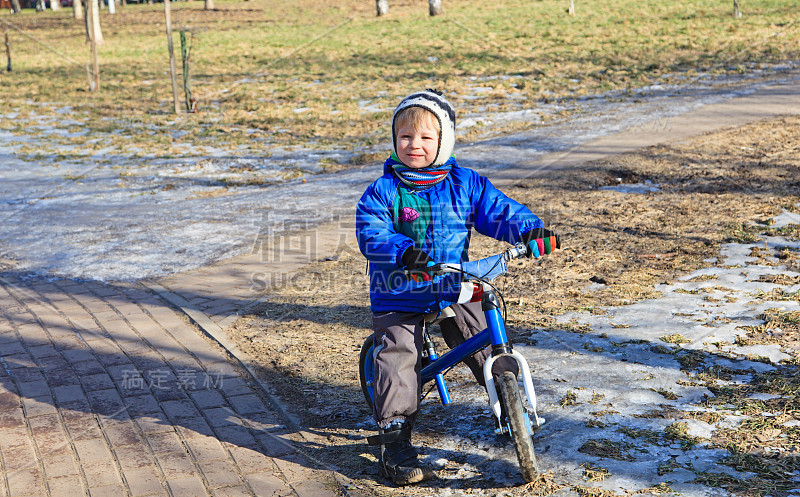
(433, 101)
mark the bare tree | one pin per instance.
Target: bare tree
(172, 73)
(91, 13)
(571, 10)
(77, 9)
(15, 8)
(40, 6)
(736, 12)
(55, 4)
(8, 52)
(209, 5)
(382, 6)
(93, 31)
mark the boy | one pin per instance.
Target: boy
(421, 211)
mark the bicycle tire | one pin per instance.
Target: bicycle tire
(366, 369)
(518, 423)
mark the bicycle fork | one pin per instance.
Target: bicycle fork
(502, 348)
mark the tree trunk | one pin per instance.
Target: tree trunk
(435, 7)
(15, 8)
(112, 7)
(170, 49)
(91, 13)
(209, 5)
(55, 4)
(93, 31)
(736, 12)
(8, 52)
(571, 10)
(77, 10)
(382, 6)
(40, 5)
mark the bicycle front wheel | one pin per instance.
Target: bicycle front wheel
(519, 425)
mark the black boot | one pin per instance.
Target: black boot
(398, 459)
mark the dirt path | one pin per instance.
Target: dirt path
(217, 290)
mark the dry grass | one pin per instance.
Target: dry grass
(324, 73)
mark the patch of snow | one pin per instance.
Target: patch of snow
(771, 352)
(786, 218)
(471, 123)
(763, 396)
(646, 187)
(697, 428)
(123, 214)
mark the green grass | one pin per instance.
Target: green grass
(675, 338)
(254, 63)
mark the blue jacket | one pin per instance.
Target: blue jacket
(464, 200)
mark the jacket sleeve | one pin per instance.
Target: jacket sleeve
(499, 216)
(377, 238)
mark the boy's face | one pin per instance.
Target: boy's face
(416, 148)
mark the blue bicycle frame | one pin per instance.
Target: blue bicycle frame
(494, 335)
(454, 356)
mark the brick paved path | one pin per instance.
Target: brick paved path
(106, 390)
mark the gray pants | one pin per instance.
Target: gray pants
(398, 358)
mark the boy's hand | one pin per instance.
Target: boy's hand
(414, 258)
(540, 241)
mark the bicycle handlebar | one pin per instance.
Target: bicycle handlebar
(487, 268)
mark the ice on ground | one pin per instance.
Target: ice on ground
(111, 216)
(637, 379)
(786, 218)
(763, 396)
(646, 187)
(700, 429)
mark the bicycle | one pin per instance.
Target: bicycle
(477, 287)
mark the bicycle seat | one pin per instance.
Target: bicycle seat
(436, 317)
